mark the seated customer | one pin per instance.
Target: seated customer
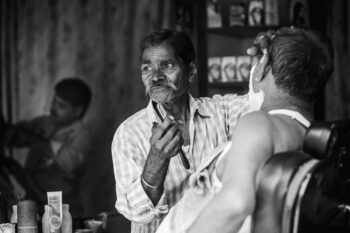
(293, 68)
(58, 143)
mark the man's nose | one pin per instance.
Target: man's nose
(158, 75)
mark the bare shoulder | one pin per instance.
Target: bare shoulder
(254, 134)
(256, 123)
(252, 143)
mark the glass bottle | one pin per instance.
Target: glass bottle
(13, 218)
(67, 221)
(45, 221)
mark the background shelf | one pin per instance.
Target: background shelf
(240, 31)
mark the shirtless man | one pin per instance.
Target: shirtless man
(293, 68)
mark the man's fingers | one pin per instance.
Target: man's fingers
(271, 34)
(157, 131)
(173, 147)
(259, 37)
(170, 133)
(252, 51)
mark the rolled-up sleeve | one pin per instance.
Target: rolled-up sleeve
(128, 161)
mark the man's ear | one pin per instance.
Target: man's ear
(262, 67)
(193, 72)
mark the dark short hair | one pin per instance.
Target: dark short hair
(75, 91)
(180, 43)
(301, 61)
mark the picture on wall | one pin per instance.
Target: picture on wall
(234, 13)
(228, 69)
(214, 70)
(256, 13)
(213, 14)
(243, 68)
(271, 13)
(299, 13)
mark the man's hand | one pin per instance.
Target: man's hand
(166, 139)
(260, 49)
(261, 42)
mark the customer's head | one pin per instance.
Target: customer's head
(301, 61)
(71, 100)
(167, 64)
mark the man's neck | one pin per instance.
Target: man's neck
(290, 103)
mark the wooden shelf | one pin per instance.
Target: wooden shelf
(230, 85)
(240, 31)
(239, 88)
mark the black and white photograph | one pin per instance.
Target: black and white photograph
(234, 12)
(174, 116)
(299, 13)
(214, 70)
(228, 69)
(272, 14)
(256, 13)
(214, 14)
(243, 66)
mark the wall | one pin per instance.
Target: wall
(97, 41)
(338, 87)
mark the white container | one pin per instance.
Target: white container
(13, 218)
(45, 220)
(67, 221)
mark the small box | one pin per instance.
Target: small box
(243, 68)
(228, 69)
(214, 70)
(256, 13)
(234, 13)
(214, 14)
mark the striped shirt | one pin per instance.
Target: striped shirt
(211, 124)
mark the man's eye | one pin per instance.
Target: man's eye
(146, 68)
(167, 65)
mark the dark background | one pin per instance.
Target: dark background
(43, 41)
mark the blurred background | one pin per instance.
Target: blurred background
(43, 41)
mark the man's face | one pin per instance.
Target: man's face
(164, 77)
(63, 112)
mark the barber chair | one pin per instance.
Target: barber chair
(309, 191)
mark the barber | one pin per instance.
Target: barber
(149, 173)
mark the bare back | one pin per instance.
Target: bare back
(280, 133)
(287, 134)
(256, 138)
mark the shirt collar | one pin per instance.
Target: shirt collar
(195, 107)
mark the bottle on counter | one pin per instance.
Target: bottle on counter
(45, 220)
(27, 212)
(13, 218)
(67, 221)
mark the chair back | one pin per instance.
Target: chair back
(307, 191)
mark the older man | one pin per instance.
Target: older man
(152, 147)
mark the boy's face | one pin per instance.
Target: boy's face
(63, 112)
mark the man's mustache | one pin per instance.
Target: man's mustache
(163, 83)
